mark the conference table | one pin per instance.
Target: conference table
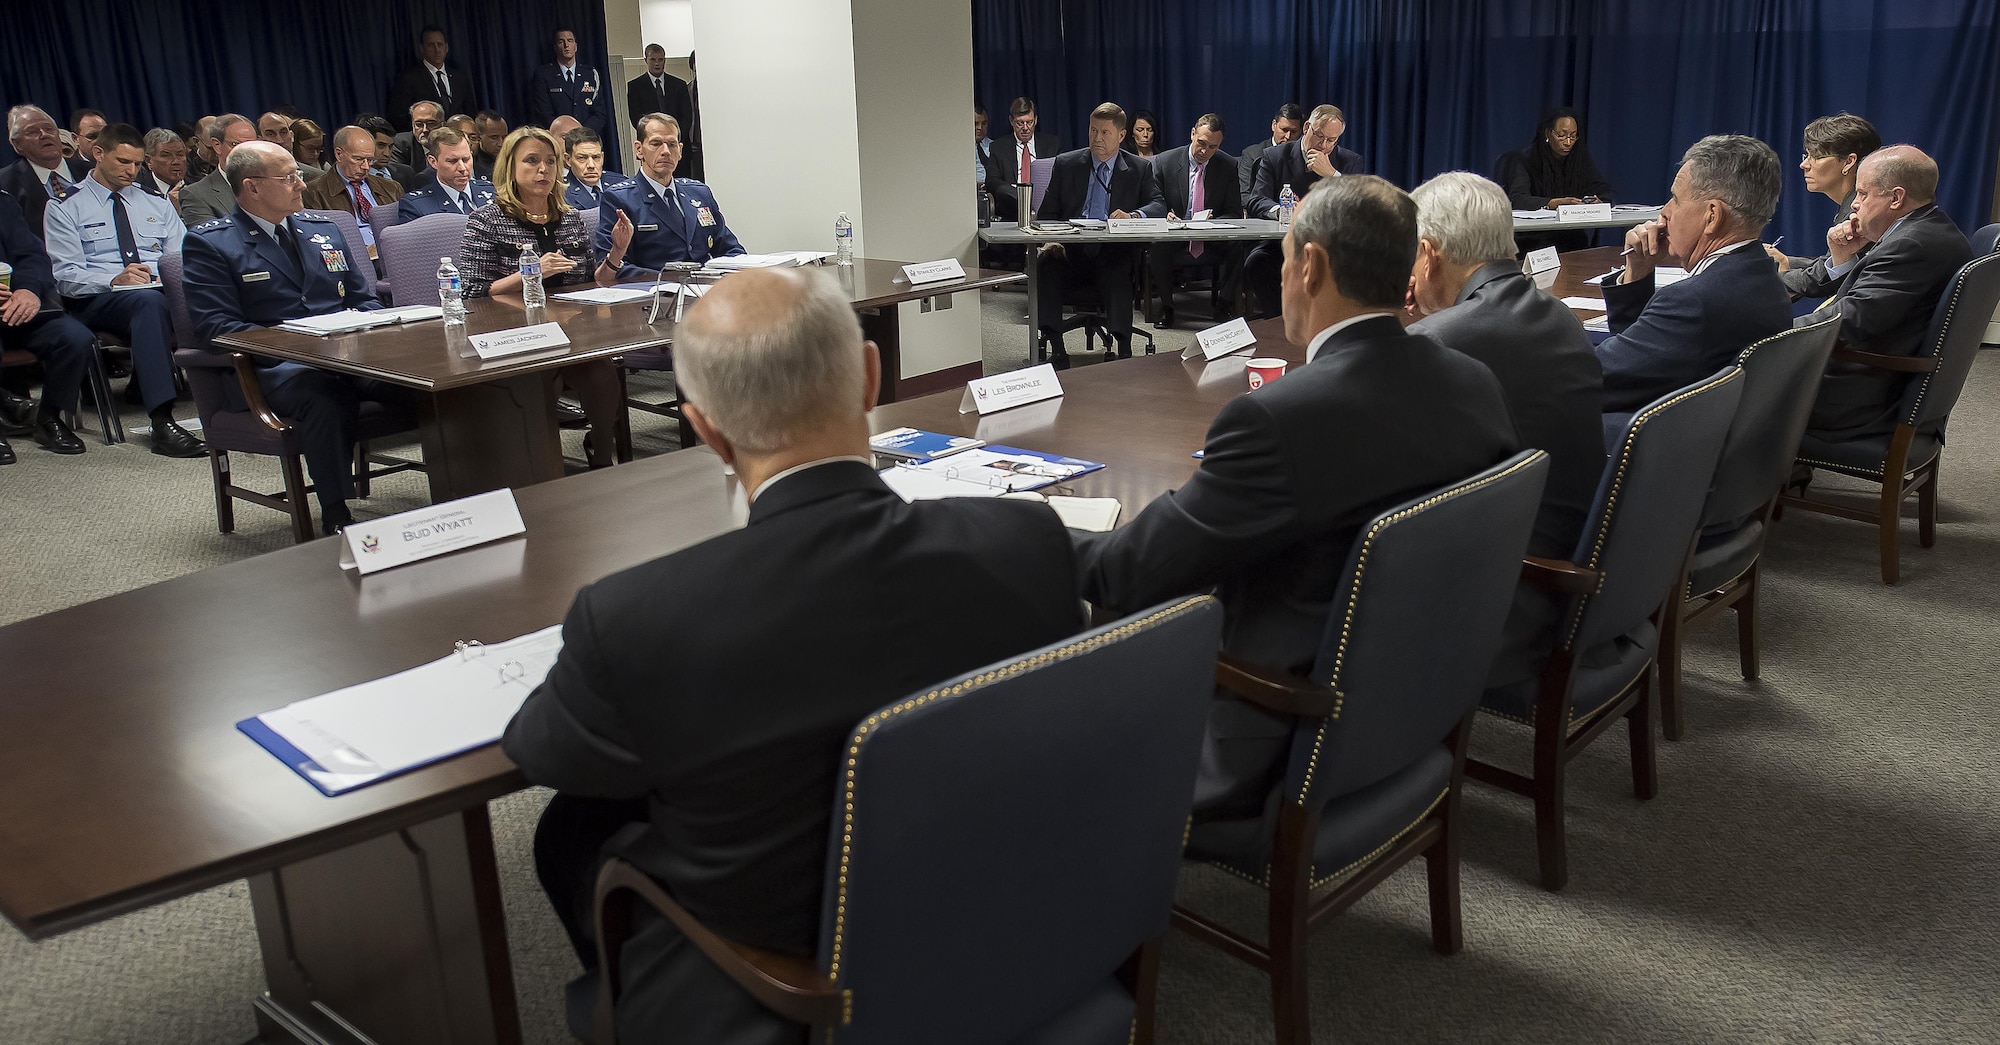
(124, 783)
(1239, 230)
(486, 424)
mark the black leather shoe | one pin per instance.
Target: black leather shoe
(55, 437)
(1166, 318)
(17, 414)
(6, 453)
(171, 440)
(116, 367)
(1060, 361)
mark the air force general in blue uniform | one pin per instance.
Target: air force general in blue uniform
(681, 222)
(242, 273)
(439, 198)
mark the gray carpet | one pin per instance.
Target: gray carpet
(1819, 866)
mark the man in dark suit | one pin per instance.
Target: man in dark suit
(31, 320)
(1012, 154)
(1197, 180)
(1664, 338)
(431, 80)
(1886, 267)
(1293, 470)
(1472, 297)
(1285, 127)
(669, 218)
(673, 735)
(1097, 182)
(657, 91)
(41, 174)
(452, 189)
(210, 197)
(408, 146)
(385, 164)
(567, 87)
(166, 165)
(1300, 164)
(266, 263)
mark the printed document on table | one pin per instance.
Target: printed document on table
(358, 735)
(1586, 304)
(606, 295)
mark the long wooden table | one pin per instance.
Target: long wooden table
(488, 424)
(123, 782)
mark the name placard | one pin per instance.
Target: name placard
(394, 540)
(1221, 340)
(934, 271)
(1541, 261)
(1582, 211)
(516, 340)
(987, 394)
(1137, 226)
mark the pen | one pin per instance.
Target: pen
(1628, 251)
(1775, 242)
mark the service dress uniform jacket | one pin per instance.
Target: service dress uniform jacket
(688, 227)
(437, 199)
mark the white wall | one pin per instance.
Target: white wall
(669, 23)
(814, 107)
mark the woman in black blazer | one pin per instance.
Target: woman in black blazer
(1554, 170)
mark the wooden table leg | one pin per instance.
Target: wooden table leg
(884, 327)
(399, 940)
(491, 435)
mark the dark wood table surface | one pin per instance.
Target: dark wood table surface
(124, 783)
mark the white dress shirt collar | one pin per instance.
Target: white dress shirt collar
(269, 229)
(1702, 265)
(1320, 339)
(434, 70)
(664, 191)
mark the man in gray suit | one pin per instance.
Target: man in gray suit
(1472, 296)
(1885, 267)
(211, 197)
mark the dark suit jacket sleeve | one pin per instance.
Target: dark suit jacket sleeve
(1237, 510)
(1649, 335)
(214, 298)
(1513, 176)
(538, 99)
(1347, 161)
(1902, 273)
(1264, 187)
(24, 250)
(1153, 204)
(567, 735)
(1056, 202)
(1246, 173)
(1225, 194)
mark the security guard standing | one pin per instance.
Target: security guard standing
(107, 235)
(268, 263)
(665, 218)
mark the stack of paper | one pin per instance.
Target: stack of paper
(355, 736)
(986, 472)
(779, 259)
(607, 295)
(1535, 214)
(348, 320)
(915, 444)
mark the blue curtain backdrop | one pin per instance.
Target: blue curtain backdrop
(160, 62)
(1436, 85)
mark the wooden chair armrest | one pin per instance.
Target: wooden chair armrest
(1900, 364)
(1273, 690)
(791, 986)
(253, 393)
(1558, 575)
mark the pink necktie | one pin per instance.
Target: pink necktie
(1197, 202)
(1025, 162)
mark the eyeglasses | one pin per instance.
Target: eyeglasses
(294, 176)
(1561, 137)
(1813, 157)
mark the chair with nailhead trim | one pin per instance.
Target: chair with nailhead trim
(1004, 851)
(1381, 725)
(1620, 585)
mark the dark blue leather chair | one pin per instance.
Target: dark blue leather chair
(1004, 851)
(1620, 583)
(1905, 461)
(1780, 381)
(1378, 751)
(1984, 240)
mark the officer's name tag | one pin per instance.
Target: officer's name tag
(1221, 340)
(987, 394)
(646, 228)
(255, 277)
(518, 340)
(934, 271)
(1541, 261)
(394, 540)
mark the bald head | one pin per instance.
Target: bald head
(562, 125)
(774, 359)
(1902, 167)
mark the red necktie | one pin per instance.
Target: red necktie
(1026, 176)
(1197, 202)
(361, 208)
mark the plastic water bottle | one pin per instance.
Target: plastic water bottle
(843, 240)
(531, 278)
(451, 293)
(1286, 201)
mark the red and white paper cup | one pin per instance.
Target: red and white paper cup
(1264, 371)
